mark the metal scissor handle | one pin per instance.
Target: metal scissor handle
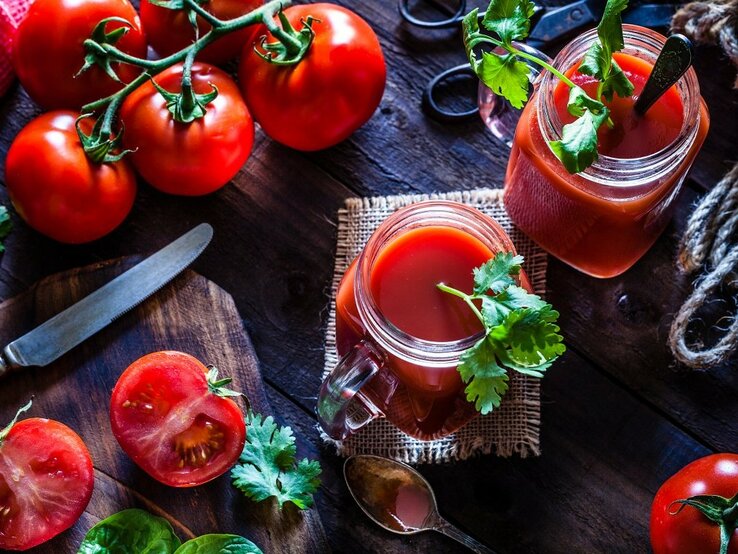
(431, 107)
(452, 21)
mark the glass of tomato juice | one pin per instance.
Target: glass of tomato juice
(399, 335)
(602, 220)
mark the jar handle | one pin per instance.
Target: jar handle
(343, 386)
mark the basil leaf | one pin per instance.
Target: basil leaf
(130, 532)
(219, 544)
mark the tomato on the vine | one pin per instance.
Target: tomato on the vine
(682, 527)
(46, 481)
(327, 95)
(172, 417)
(188, 158)
(58, 190)
(168, 31)
(48, 51)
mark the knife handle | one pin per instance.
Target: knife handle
(8, 361)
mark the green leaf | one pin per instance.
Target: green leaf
(6, 225)
(595, 61)
(610, 29)
(577, 148)
(219, 544)
(617, 82)
(529, 336)
(498, 273)
(510, 19)
(486, 380)
(515, 297)
(128, 532)
(506, 76)
(267, 466)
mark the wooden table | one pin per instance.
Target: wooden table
(619, 415)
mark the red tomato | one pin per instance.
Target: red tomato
(57, 190)
(169, 31)
(689, 531)
(188, 158)
(46, 480)
(332, 92)
(170, 423)
(48, 51)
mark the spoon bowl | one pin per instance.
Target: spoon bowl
(399, 499)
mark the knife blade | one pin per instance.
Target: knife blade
(67, 329)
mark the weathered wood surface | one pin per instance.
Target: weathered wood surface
(192, 315)
(619, 416)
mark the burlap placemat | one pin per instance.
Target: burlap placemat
(511, 429)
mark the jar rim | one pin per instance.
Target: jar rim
(428, 213)
(625, 172)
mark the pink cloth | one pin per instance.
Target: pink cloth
(12, 13)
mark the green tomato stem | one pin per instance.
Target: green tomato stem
(206, 15)
(465, 297)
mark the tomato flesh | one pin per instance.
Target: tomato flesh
(46, 481)
(168, 421)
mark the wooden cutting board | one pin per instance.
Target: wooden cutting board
(191, 314)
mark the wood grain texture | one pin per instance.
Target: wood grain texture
(192, 315)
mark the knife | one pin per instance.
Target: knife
(67, 329)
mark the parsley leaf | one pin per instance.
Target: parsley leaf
(510, 19)
(498, 273)
(267, 466)
(598, 61)
(520, 332)
(506, 76)
(486, 380)
(6, 225)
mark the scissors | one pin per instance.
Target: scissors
(548, 26)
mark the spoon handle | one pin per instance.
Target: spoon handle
(445, 528)
(673, 61)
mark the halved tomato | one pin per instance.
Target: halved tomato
(172, 416)
(46, 481)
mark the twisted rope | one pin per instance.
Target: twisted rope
(714, 22)
(711, 242)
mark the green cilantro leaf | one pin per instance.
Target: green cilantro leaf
(267, 466)
(6, 225)
(598, 61)
(505, 76)
(498, 273)
(577, 148)
(510, 19)
(486, 380)
(520, 331)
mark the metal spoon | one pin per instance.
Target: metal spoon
(673, 62)
(399, 499)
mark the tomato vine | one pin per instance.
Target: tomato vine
(185, 106)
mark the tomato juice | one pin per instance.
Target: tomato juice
(424, 400)
(604, 219)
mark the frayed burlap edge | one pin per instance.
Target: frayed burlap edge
(514, 427)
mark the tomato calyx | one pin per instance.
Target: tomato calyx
(96, 53)
(291, 45)
(186, 106)
(99, 145)
(718, 509)
(218, 386)
(4, 432)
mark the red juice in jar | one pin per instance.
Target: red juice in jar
(424, 400)
(604, 219)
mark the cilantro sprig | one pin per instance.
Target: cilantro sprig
(268, 465)
(520, 332)
(508, 76)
